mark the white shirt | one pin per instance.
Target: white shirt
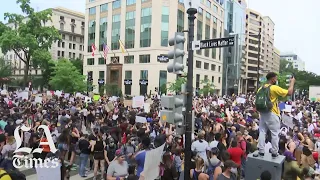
(213, 144)
(200, 148)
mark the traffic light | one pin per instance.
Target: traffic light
(177, 54)
(172, 112)
(288, 78)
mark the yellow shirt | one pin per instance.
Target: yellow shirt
(5, 177)
(275, 93)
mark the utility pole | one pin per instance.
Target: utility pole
(187, 166)
(259, 47)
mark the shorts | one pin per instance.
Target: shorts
(63, 147)
(98, 155)
(72, 148)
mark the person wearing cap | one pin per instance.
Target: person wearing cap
(291, 169)
(230, 171)
(118, 168)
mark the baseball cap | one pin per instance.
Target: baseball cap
(119, 153)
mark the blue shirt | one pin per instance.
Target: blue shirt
(3, 124)
(140, 158)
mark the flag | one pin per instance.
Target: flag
(105, 50)
(93, 48)
(122, 47)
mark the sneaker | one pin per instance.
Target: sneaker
(261, 153)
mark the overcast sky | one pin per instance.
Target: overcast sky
(297, 23)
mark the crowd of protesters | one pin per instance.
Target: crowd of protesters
(103, 136)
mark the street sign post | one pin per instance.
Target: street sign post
(213, 43)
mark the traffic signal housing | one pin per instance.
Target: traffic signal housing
(172, 109)
(177, 54)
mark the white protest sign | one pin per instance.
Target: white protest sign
(38, 99)
(140, 119)
(138, 101)
(23, 95)
(220, 101)
(146, 107)
(151, 165)
(241, 100)
(287, 120)
(4, 92)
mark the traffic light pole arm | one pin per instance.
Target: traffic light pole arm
(188, 132)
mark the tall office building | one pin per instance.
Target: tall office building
(295, 59)
(70, 25)
(144, 27)
(268, 41)
(276, 60)
(234, 60)
(254, 43)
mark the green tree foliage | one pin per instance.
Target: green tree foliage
(27, 37)
(45, 62)
(78, 63)
(5, 69)
(113, 90)
(66, 77)
(207, 88)
(176, 85)
(303, 78)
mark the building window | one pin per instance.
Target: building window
(115, 32)
(180, 23)
(103, 32)
(62, 26)
(198, 64)
(62, 53)
(63, 44)
(181, 1)
(59, 43)
(70, 55)
(116, 4)
(91, 0)
(214, 20)
(104, 7)
(197, 80)
(145, 31)
(219, 68)
(212, 79)
(58, 53)
(73, 46)
(213, 67)
(219, 80)
(163, 82)
(129, 60)
(206, 77)
(206, 66)
(90, 61)
(101, 61)
(144, 0)
(208, 3)
(63, 36)
(92, 11)
(74, 55)
(130, 2)
(101, 74)
(199, 33)
(215, 8)
(144, 58)
(200, 10)
(70, 38)
(208, 15)
(130, 29)
(91, 34)
(70, 45)
(144, 76)
(127, 87)
(207, 36)
(164, 26)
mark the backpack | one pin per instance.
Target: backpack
(263, 102)
(14, 174)
(212, 168)
(248, 146)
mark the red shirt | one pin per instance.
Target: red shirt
(235, 154)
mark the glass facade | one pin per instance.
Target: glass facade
(145, 31)
(163, 82)
(115, 32)
(130, 29)
(103, 32)
(131, 2)
(164, 26)
(91, 34)
(104, 7)
(92, 11)
(116, 4)
(180, 23)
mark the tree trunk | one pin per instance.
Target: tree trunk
(26, 74)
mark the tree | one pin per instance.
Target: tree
(208, 87)
(176, 85)
(26, 38)
(45, 62)
(5, 69)
(78, 63)
(66, 77)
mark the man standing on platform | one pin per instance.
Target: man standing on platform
(267, 104)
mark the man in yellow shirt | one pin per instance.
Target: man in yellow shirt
(271, 120)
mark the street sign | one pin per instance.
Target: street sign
(213, 43)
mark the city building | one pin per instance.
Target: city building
(276, 60)
(295, 59)
(234, 59)
(136, 33)
(255, 49)
(71, 27)
(268, 41)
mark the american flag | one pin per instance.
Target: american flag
(93, 48)
(105, 50)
